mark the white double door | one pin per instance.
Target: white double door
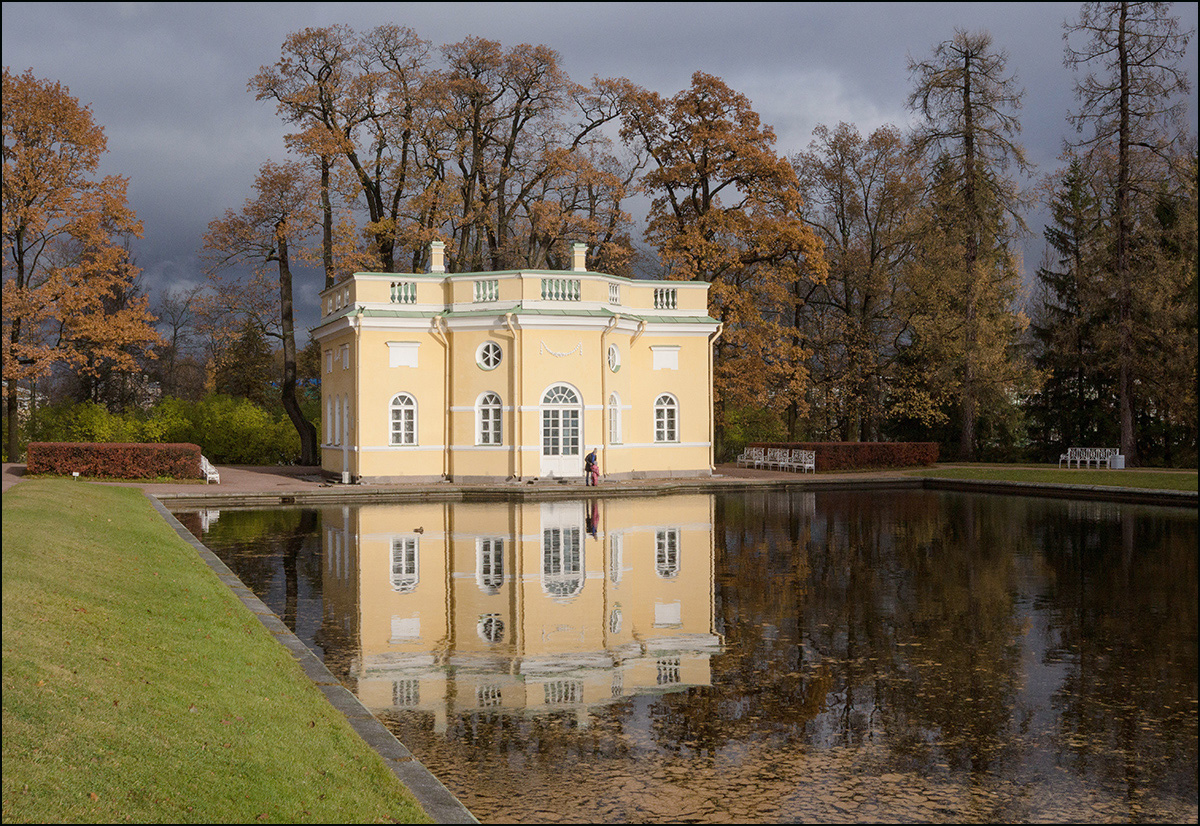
(562, 433)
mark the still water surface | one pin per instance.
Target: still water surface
(770, 656)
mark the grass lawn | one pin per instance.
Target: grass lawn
(1132, 478)
(137, 687)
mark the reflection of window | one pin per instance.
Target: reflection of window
(488, 416)
(666, 552)
(618, 684)
(560, 692)
(616, 547)
(666, 414)
(404, 419)
(406, 693)
(614, 621)
(668, 671)
(488, 695)
(489, 567)
(562, 561)
(404, 563)
(491, 628)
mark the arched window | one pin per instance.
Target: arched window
(614, 419)
(560, 421)
(666, 419)
(487, 420)
(404, 419)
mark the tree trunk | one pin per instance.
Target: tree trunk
(1124, 288)
(304, 428)
(326, 224)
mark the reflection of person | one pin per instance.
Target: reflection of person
(592, 521)
(591, 469)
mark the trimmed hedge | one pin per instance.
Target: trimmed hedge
(864, 455)
(115, 460)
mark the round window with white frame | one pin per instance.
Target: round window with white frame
(614, 358)
(488, 355)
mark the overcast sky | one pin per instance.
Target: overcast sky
(167, 81)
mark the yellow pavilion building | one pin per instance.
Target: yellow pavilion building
(514, 375)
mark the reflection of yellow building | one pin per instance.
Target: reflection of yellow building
(536, 606)
(514, 375)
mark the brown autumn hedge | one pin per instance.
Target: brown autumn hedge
(115, 460)
(864, 455)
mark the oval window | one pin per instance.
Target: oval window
(489, 355)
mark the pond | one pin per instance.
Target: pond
(842, 656)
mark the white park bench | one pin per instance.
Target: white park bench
(777, 458)
(804, 461)
(210, 472)
(751, 457)
(1087, 455)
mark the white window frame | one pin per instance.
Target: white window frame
(489, 419)
(614, 419)
(666, 419)
(489, 355)
(562, 421)
(406, 404)
(614, 358)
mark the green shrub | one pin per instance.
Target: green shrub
(228, 430)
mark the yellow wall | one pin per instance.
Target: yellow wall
(543, 342)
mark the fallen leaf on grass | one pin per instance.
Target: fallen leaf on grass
(93, 796)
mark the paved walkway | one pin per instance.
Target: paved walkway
(283, 480)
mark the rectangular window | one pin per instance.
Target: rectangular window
(664, 425)
(489, 424)
(345, 356)
(328, 361)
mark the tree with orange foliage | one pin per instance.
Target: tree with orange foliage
(63, 253)
(499, 154)
(726, 209)
(280, 216)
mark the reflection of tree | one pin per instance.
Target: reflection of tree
(883, 618)
(1127, 634)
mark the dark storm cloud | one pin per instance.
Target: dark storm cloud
(168, 80)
